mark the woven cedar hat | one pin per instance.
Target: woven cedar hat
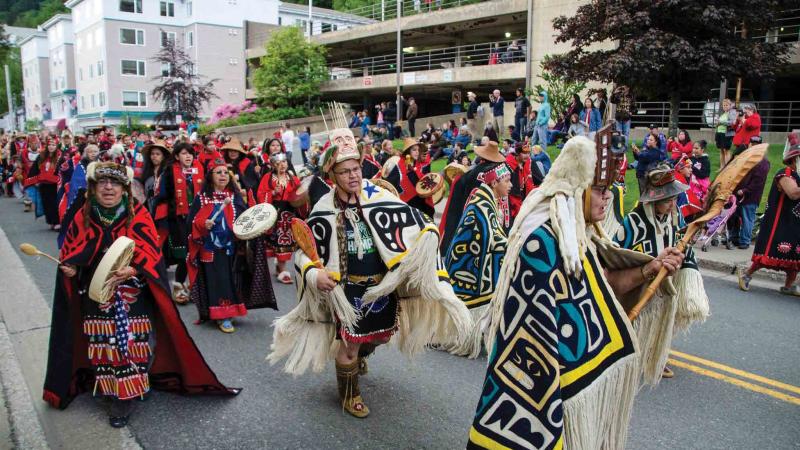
(490, 152)
(660, 184)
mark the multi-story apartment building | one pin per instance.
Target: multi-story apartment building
(62, 104)
(116, 41)
(322, 20)
(34, 55)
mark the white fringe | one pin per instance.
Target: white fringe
(598, 416)
(471, 346)
(436, 314)
(654, 331)
(342, 308)
(691, 298)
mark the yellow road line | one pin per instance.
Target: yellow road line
(735, 381)
(735, 371)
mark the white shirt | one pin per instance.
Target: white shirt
(288, 140)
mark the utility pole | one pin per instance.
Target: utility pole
(12, 112)
(529, 48)
(399, 62)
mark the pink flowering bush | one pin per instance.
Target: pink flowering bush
(229, 111)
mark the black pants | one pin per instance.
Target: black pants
(411, 128)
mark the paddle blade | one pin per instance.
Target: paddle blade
(28, 249)
(305, 240)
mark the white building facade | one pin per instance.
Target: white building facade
(34, 56)
(116, 41)
(322, 20)
(62, 107)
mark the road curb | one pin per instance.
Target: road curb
(731, 267)
(26, 429)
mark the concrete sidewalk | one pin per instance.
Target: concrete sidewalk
(721, 259)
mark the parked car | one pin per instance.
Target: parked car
(712, 108)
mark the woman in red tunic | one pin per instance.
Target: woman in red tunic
(45, 175)
(278, 188)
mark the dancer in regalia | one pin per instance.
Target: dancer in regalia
(157, 161)
(181, 182)
(412, 166)
(476, 253)
(382, 276)
(44, 174)
(650, 228)
(219, 289)
(278, 188)
(462, 187)
(778, 243)
(117, 349)
(563, 368)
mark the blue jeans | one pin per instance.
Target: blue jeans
(748, 214)
(519, 124)
(625, 129)
(540, 136)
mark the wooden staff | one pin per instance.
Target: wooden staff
(718, 193)
(306, 242)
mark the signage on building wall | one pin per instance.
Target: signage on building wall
(409, 78)
(368, 80)
(421, 77)
(456, 98)
(447, 75)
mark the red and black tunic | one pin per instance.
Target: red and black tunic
(178, 188)
(83, 356)
(280, 242)
(778, 243)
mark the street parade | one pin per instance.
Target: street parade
(586, 274)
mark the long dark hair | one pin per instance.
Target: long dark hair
(686, 133)
(149, 170)
(51, 156)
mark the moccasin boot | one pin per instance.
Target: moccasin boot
(349, 393)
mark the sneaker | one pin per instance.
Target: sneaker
(793, 290)
(744, 280)
(226, 326)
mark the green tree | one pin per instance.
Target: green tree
(9, 56)
(40, 13)
(291, 71)
(559, 90)
(671, 49)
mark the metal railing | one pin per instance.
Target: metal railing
(777, 116)
(387, 9)
(786, 29)
(482, 54)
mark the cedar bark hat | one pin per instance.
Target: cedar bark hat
(235, 145)
(490, 152)
(156, 144)
(408, 144)
(660, 184)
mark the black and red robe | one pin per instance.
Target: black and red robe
(177, 364)
(178, 187)
(778, 243)
(225, 285)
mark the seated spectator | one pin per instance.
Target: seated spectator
(513, 133)
(455, 152)
(690, 202)
(540, 158)
(378, 134)
(490, 132)
(438, 147)
(576, 127)
(464, 138)
(647, 157)
(682, 146)
(355, 122)
(558, 130)
(508, 145)
(448, 134)
(661, 139)
(428, 133)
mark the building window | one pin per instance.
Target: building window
(166, 70)
(280, 20)
(92, 102)
(101, 97)
(189, 8)
(99, 68)
(130, 36)
(80, 74)
(167, 8)
(190, 39)
(167, 36)
(134, 98)
(91, 70)
(131, 6)
(132, 67)
(327, 27)
(83, 102)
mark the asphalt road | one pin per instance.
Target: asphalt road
(428, 402)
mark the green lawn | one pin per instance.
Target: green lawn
(774, 154)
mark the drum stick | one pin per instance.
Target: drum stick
(31, 250)
(224, 204)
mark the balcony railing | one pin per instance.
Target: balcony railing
(387, 9)
(777, 116)
(500, 52)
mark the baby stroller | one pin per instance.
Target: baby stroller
(718, 225)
